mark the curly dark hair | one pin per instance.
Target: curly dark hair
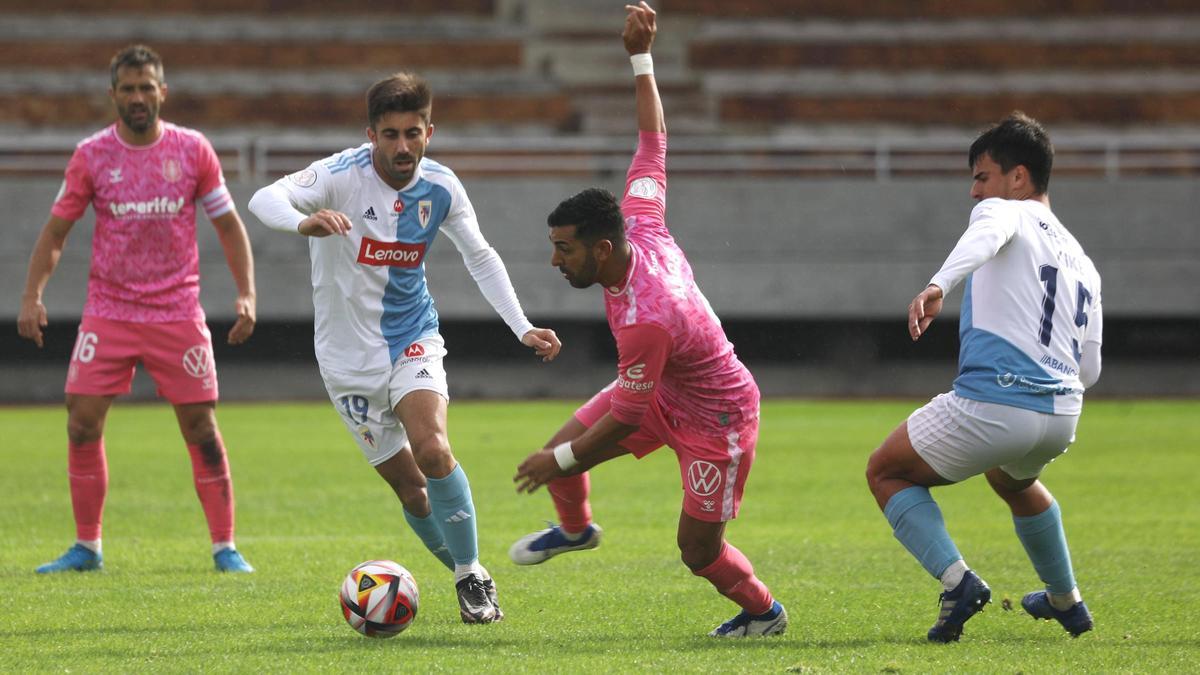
(595, 214)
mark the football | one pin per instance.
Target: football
(379, 598)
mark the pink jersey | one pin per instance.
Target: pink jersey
(145, 266)
(671, 347)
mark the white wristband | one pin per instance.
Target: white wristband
(565, 456)
(642, 64)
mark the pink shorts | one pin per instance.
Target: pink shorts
(713, 468)
(177, 355)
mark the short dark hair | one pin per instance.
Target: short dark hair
(595, 214)
(1017, 139)
(400, 92)
(136, 56)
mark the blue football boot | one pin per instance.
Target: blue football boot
(229, 560)
(958, 605)
(1077, 620)
(78, 558)
(543, 545)
(772, 622)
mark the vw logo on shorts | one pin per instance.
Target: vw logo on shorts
(196, 361)
(704, 478)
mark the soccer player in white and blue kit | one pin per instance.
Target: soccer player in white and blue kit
(371, 213)
(1030, 334)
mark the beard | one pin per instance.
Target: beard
(396, 174)
(135, 124)
(586, 276)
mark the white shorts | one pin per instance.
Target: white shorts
(366, 402)
(960, 438)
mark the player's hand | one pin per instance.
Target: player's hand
(923, 309)
(640, 28)
(32, 319)
(544, 342)
(538, 469)
(244, 326)
(324, 223)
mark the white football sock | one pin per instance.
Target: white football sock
(1064, 601)
(461, 571)
(222, 545)
(93, 546)
(953, 575)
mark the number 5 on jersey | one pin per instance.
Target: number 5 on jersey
(1049, 275)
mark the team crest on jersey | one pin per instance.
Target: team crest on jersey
(305, 178)
(114, 175)
(367, 436)
(424, 211)
(171, 170)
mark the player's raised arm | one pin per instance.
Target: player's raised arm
(640, 29)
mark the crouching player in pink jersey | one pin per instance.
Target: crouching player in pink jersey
(678, 384)
(143, 177)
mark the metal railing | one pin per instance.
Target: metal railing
(260, 158)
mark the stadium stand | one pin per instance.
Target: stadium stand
(815, 87)
(830, 133)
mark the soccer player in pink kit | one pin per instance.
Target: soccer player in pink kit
(678, 383)
(143, 177)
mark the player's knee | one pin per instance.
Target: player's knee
(414, 499)
(876, 470)
(433, 456)
(83, 430)
(199, 429)
(698, 553)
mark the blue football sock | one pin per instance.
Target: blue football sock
(1046, 545)
(427, 529)
(917, 522)
(454, 512)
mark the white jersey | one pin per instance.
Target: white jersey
(1031, 301)
(370, 298)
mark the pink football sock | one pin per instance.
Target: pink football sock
(733, 576)
(570, 495)
(87, 472)
(210, 472)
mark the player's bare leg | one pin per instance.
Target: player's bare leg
(213, 481)
(87, 471)
(423, 414)
(1038, 522)
(900, 480)
(406, 480)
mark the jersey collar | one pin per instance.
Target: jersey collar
(634, 254)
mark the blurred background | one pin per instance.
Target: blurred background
(817, 167)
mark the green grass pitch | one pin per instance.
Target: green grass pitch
(309, 509)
